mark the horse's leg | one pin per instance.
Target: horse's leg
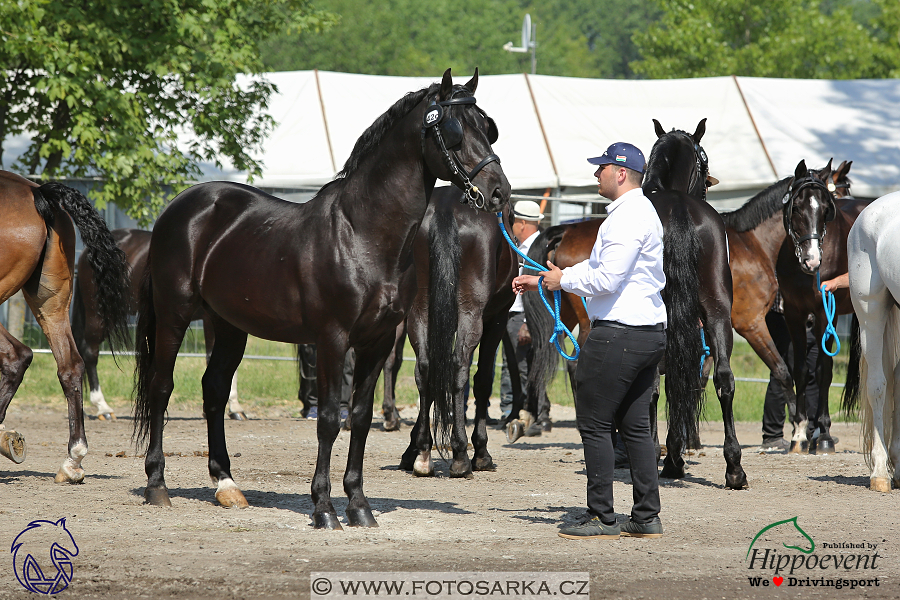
(223, 363)
(331, 351)
(47, 294)
(469, 332)
(821, 442)
(14, 360)
(417, 457)
(369, 364)
(89, 348)
(235, 410)
(391, 371)
(491, 334)
(895, 429)
(796, 322)
(721, 342)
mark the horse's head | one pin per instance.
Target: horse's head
(840, 181)
(456, 144)
(808, 208)
(678, 162)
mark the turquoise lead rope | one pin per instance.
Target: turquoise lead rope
(559, 327)
(829, 305)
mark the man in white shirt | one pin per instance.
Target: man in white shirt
(622, 282)
(526, 217)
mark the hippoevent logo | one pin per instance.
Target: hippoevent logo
(782, 553)
(42, 557)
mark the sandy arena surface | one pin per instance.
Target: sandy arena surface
(506, 520)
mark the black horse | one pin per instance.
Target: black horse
(337, 271)
(698, 289)
(464, 272)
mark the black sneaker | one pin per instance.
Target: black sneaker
(776, 445)
(653, 529)
(592, 528)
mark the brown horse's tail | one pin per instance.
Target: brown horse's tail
(106, 259)
(681, 251)
(145, 347)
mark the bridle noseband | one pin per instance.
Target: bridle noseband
(788, 202)
(443, 124)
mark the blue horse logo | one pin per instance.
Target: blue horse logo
(35, 570)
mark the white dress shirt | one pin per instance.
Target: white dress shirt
(623, 278)
(523, 247)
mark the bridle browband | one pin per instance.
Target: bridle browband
(788, 207)
(442, 122)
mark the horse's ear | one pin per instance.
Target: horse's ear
(701, 129)
(825, 173)
(472, 84)
(842, 170)
(446, 87)
(493, 132)
(658, 128)
(801, 171)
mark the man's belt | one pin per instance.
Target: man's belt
(617, 325)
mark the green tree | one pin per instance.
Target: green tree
(761, 38)
(105, 86)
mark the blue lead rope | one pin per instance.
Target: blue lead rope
(555, 339)
(830, 331)
(706, 351)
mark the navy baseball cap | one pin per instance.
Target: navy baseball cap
(622, 154)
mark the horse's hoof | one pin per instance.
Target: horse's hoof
(547, 426)
(69, 476)
(423, 467)
(110, 416)
(407, 462)
(737, 482)
(12, 446)
(515, 430)
(461, 468)
(237, 416)
(327, 521)
(361, 517)
(484, 463)
(880, 484)
(671, 470)
(823, 446)
(232, 498)
(798, 447)
(391, 424)
(157, 497)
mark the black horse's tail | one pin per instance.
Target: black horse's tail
(145, 347)
(105, 257)
(681, 250)
(545, 359)
(444, 251)
(850, 397)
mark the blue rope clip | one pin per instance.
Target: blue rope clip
(706, 351)
(554, 310)
(830, 331)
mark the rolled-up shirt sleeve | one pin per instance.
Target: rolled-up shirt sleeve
(603, 274)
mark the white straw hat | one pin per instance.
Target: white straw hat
(527, 210)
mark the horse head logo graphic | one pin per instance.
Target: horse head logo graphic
(793, 521)
(42, 557)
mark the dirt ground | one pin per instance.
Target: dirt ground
(505, 520)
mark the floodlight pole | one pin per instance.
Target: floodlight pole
(529, 42)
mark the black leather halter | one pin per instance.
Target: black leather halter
(438, 119)
(788, 201)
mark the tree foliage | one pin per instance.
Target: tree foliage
(767, 38)
(103, 88)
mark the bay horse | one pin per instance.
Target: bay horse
(698, 289)
(337, 271)
(757, 232)
(464, 270)
(873, 245)
(37, 242)
(799, 288)
(87, 326)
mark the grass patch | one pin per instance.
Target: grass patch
(272, 384)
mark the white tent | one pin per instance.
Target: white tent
(757, 129)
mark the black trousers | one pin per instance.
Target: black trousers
(614, 383)
(776, 400)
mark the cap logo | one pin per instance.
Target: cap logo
(620, 158)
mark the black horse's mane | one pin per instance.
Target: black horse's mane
(758, 208)
(659, 164)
